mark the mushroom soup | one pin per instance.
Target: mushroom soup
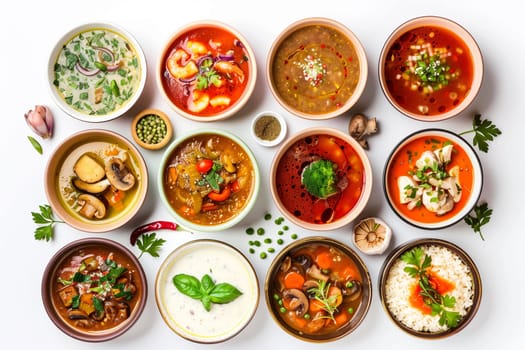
(98, 180)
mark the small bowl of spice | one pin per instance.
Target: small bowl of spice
(268, 128)
(151, 129)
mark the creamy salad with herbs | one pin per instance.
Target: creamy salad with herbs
(97, 72)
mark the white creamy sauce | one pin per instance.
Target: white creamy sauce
(187, 316)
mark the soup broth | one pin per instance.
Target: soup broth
(428, 70)
(209, 179)
(316, 69)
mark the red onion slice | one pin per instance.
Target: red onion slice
(85, 71)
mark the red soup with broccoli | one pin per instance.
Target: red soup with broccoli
(428, 70)
(319, 179)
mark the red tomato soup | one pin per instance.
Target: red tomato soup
(205, 71)
(428, 70)
(349, 178)
(404, 164)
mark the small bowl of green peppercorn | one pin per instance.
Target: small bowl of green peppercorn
(151, 129)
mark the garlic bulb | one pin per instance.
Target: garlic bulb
(372, 236)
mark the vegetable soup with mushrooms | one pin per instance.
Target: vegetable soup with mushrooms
(428, 70)
(98, 180)
(96, 288)
(316, 69)
(317, 289)
(97, 72)
(206, 71)
(209, 179)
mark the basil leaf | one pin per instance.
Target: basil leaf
(206, 302)
(207, 284)
(223, 293)
(188, 285)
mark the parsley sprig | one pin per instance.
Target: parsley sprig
(47, 221)
(417, 264)
(207, 75)
(482, 216)
(149, 243)
(484, 130)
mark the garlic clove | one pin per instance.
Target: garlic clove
(41, 121)
(372, 236)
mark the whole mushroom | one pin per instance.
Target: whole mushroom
(361, 126)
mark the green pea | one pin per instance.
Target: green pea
(268, 240)
(260, 231)
(286, 228)
(271, 250)
(268, 216)
(282, 310)
(263, 255)
(280, 241)
(276, 296)
(250, 231)
(294, 236)
(252, 250)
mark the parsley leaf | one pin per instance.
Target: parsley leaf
(148, 243)
(482, 217)
(46, 220)
(484, 130)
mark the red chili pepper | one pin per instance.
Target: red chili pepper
(152, 226)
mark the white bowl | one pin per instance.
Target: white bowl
(91, 77)
(224, 264)
(269, 142)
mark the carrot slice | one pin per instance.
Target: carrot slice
(315, 306)
(324, 260)
(341, 318)
(293, 280)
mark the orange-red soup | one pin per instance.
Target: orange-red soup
(311, 271)
(96, 289)
(205, 71)
(443, 54)
(403, 163)
(294, 196)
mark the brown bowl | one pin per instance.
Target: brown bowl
(353, 171)
(85, 322)
(317, 68)
(70, 188)
(160, 137)
(353, 282)
(445, 257)
(453, 91)
(188, 60)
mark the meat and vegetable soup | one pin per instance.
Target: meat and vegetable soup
(209, 179)
(428, 70)
(206, 71)
(316, 69)
(430, 179)
(96, 289)
(98, 180)
(320, 179)
(317, 289)
(97, 72)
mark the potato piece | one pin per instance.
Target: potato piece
(88, 169)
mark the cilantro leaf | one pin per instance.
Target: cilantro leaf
(482, 216)
(484, 130)
(148, 243)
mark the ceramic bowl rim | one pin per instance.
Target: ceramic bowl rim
(367, 182)
(58, 258)
(462, 254)
(56, 51)
(250, 86)
(187, 224)
(477, 174)
(364, 307)
(57, 158)
(188, 245)
(464, 35)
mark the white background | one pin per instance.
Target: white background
(28, 31)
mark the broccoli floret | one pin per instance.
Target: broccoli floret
(319, 178)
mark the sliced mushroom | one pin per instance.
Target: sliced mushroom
(352, 290)
(427, 159)
(408, 189)
(314, 272)
(298, 301)
(76, 314)
(372, 236)
(88, 169)
(309, 284)
(434, 199)
(447, 206)
(444, 154)
(286, 264)
(119, 174)
(96, 187)
(91, 206)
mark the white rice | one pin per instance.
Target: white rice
(399, 285)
